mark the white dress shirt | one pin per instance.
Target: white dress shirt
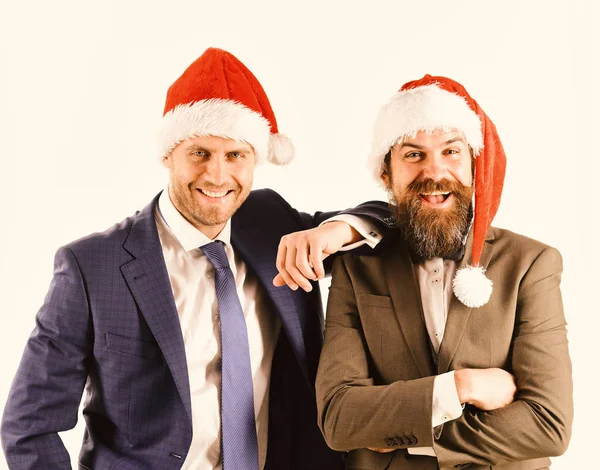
(435, 284)
(193, 284)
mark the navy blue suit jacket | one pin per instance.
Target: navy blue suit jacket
(109, 323)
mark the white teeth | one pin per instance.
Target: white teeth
(211, 194)
(436, 193)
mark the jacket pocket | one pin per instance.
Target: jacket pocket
(371, 300)
(133, 347)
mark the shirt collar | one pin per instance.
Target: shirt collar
(188, 235)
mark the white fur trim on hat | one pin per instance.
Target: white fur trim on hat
(425, 108)
(471, 286)
(218, 117)
(281, 149)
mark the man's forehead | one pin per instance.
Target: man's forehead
(213, 142)
(431, 139)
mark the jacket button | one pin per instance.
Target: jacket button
(389, 442)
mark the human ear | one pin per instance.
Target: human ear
(385, 177)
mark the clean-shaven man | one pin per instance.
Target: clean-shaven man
(190, 356)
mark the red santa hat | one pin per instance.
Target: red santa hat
(217, 95)
(441, 104)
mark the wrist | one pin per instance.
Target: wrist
(348, 234)
(463, 382)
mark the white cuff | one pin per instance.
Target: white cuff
(421, 451)
(446, 405)
(368, 230)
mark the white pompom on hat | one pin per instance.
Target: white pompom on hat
(218, 95)
(441, 104)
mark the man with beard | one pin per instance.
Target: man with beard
(192, 357)
(447, 348)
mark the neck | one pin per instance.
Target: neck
(211, 231)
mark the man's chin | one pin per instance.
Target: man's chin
(213, 218)
(434, 220)
(216, 214)
(434, 232)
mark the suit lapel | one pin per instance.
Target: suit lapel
(258, 248)
(458, 313)
(147, 278)
(404, 291)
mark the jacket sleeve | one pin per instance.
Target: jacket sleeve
(538, 422)
(376, 212)
(46, 391)
(353, 411)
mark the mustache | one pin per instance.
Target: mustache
(429, 185)
(432, 233)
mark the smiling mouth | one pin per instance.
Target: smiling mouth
(215, 194)
(435, 197)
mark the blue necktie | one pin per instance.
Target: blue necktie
(239, 444)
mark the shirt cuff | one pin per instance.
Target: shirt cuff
(368, 230)
(446, 405)
(421, 451)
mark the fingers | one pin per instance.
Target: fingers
(495, 389)
(302, 261)
(381, 451)
(316, 257)
(293, 266)
(280, 263)
(510, 386)
(278, 281)
(292, 260)
(513, 389)
(300, 255)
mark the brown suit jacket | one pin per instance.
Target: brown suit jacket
(375, 378)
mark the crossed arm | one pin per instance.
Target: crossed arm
(538, 422)
(356, 413)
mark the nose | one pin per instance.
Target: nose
(434, 168)
(215, 170)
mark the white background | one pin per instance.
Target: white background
(82, 87)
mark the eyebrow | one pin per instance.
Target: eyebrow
(200, 147)
(408, 144)
(196, 147)
(422, 147)
(456, 139)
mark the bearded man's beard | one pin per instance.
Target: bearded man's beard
(434, 233)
